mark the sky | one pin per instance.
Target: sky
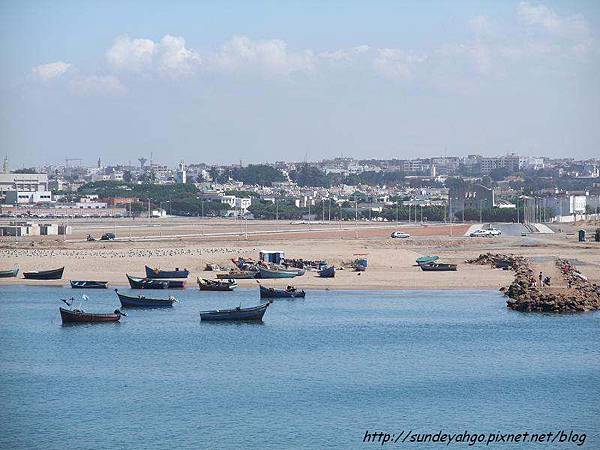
(264, 81)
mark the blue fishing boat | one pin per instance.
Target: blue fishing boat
(216, 285)
(88, 284)
(239, 314)
(144, 302)
(276, 272)
(147, 283)
(156, 273)
(290, 292)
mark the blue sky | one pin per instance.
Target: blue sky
(265, 81)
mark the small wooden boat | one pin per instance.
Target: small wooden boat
(11, 273)
(216, 285)
(146, 283)
(254, 313)
(438, 267)
(88, 284)
(80, 316)
(426, 259)
(144, 302)
(277, 273)
(266, 292)
(327, 272)
(299, 272)
(53, 274)
(237, 275)
(156, 273)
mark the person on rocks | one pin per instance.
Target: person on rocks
(541, 277)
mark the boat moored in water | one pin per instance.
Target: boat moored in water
(216, 285)
(146, 283)
(89, 284)
(52, 274)
(80, 316)
(289, 292)
(239, 314)
(140, 301)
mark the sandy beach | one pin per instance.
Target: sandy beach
(193, 243)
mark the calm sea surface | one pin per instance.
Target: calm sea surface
(317, 374)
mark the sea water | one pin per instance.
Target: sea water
(324, 372)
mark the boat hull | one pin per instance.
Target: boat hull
(143, 302)
(145, 283)
(9, 273)
(276, 274)
(434, 267)
(254, 314)
(69, 316)
(89, 284)
(426, 260)
(216, 286)
(54, 274)
(280, 293)
(155, 273)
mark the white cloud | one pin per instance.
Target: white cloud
(539, 15)
(50, 71)
(98, 85)
(174, 59)
(169, 57)
(397, 64)
(130, 54)
(347, 54)
(269, 57)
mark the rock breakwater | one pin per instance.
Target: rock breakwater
(525, 293)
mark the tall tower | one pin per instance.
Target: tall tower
(5, 165)
(181, 174)
(99, 163)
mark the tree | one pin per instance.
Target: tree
(307, 175)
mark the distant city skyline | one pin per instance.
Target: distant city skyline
(264, 81)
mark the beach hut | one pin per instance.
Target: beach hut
(272, 256)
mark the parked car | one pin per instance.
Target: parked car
(400, 234)
(108, 237)
(481, 233)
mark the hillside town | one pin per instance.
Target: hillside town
(508, 188)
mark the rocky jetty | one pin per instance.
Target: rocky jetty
(525, 294)
(499, 261)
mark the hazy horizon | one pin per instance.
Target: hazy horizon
(264, 81)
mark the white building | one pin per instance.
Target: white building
(27, 197)
(29, 182)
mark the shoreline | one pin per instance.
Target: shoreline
(391, 261)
